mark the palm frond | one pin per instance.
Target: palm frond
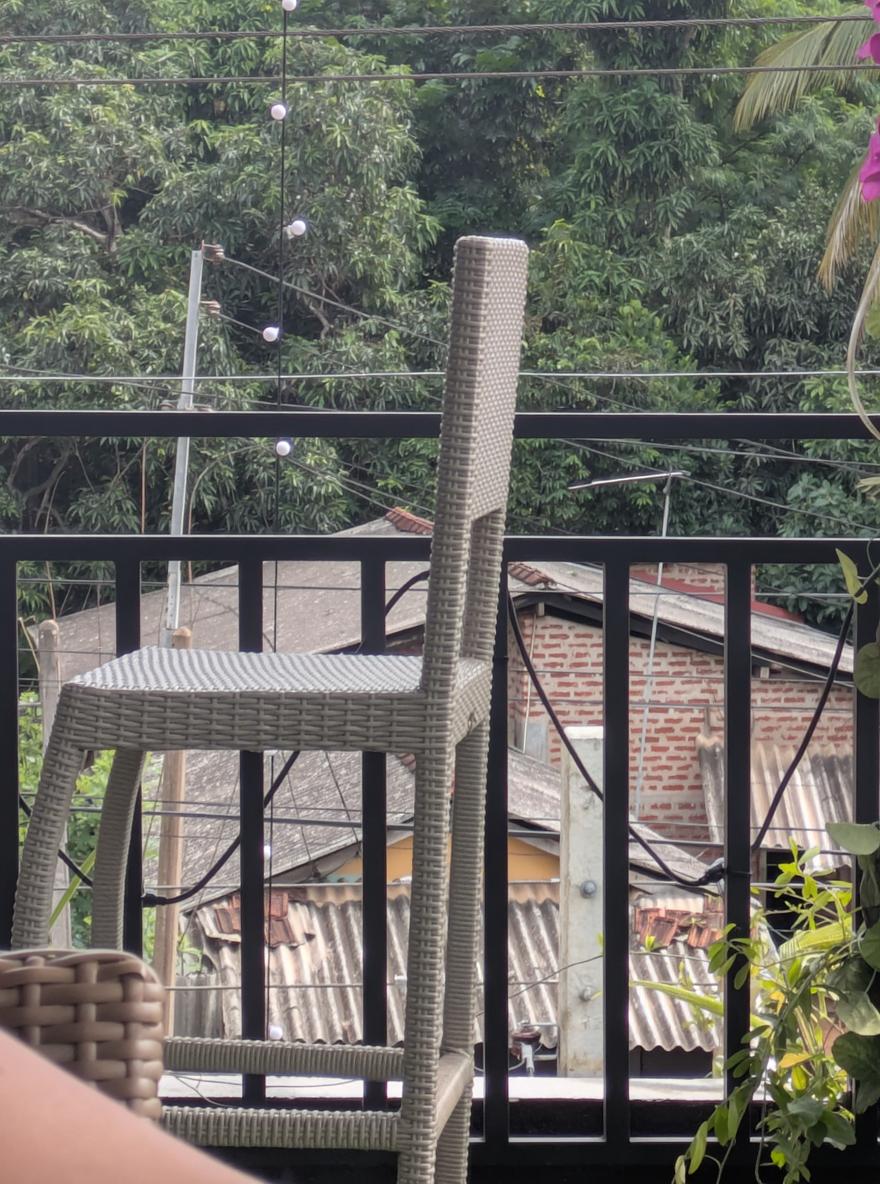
(832, 43)
(852, 223)
(869, 295)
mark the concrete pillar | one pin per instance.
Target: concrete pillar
(581, 889)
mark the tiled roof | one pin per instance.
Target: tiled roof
(328, 786)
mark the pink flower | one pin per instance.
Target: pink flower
(871, 48)
(874, 7)
(869, 173)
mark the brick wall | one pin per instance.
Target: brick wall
(686, 698)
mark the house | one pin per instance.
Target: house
(676, 676)
(315, 946)
(313, 827)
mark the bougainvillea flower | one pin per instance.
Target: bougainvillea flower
(869, 173)
(874, 7)
(871, 49)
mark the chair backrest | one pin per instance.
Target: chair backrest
(485, 335)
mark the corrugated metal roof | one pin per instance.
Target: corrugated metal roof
(819, 792)
(315, 958)
(697, 615)
(320, 784)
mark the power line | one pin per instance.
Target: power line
(334, 303)
(427, 30)
(35, 375)
(450, 75)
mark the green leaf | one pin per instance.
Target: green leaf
(680, 1170)
(720, 1125)
(851, 983)
(859, 1056)
(736, 1106)
(698, 1147)
(85, 865)
(851, 575)
(839, 1129)
(869, 946)
(866, 672)
(855, 837)
(872, 323)
(867, 1093)
(808, 1109)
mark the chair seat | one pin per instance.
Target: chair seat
(194, 672)
(159, 699)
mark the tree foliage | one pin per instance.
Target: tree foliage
(677, 225)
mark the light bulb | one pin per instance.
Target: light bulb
(297, 228)
(278, 111)
(283, 447)
(275, 1032)
(271, 333)
(289, 5)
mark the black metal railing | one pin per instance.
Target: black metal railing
(633, 1134)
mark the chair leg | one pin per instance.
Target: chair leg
(62, 763)
(465, 893)
(424, 974)
(452, 1146)
(111, 857)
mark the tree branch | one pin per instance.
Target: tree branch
(27, 216)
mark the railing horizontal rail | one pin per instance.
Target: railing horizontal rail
(634, 1133)
(549, 548)
(304, 421)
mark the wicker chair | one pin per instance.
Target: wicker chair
(436, 706)
(96, 1012)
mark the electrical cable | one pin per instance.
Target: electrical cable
(808, 734)
(371, 31)
(34, 375)
(712, 875)
(444, 75)
(335, 303)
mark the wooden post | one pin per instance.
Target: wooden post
(170, 859)
(581, 893)
(49, 673)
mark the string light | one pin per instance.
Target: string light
(283, 447)
(271, 333)
(278, 111)
(289, 5)
(296, 229)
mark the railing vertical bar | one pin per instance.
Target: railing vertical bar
(616, 644)
(253, 896)
(128, 639)
(738, 789)
(496, 1126)
(866, 775)
(375, 843)
(8, 747)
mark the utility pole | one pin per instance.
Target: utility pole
(181, 460)
(652, 647)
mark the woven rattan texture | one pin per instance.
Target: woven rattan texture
(361, 1130)
(96, 1012)
(188, 1054)
(436, 707)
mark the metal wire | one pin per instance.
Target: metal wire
(429, 30)
(444, 75)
